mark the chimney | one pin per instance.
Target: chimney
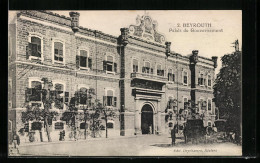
(124, 35)
(215, 59)
(74, 20)
(168, 48)
(194, 57)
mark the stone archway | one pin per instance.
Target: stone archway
(147, 119)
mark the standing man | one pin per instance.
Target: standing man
(173, 135)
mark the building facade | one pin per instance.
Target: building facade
(136, 72)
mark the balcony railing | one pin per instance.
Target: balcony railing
(151, 77)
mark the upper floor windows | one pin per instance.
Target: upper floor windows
(83, 61)
(58, 51)
(201, 80)
(109, 65)
(171, 76)
(209, 81)
(185, 77)
(160, 71)
(35, 47)
(147, 68)
(135, 65)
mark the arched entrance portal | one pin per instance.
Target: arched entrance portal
(147, 119)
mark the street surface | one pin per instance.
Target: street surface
(143, 145)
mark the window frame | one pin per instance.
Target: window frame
(110, 72)
(30, 80)
(209, 75)
(183, 72)
(87, 64)
(185, 97)
(161, 69)
(114, 95)
(38, 35)
(133, 65)
(147, 61)
(201, 84)
(209, 111)
(170, 68)
(64, 52)
(64, 90)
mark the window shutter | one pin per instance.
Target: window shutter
(104, 100)
(151, 70)
(162, 72)
(115, 101)
(115, 67)
(173, 77)
(104, 65)
(204, 81)
(77, 61)
(90, 63)
(169, 76)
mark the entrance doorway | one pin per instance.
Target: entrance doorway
(147, 119)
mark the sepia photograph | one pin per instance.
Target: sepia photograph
(124, 83)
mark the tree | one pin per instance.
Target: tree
(34, 112)
(227, 90)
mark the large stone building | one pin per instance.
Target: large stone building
(136, 72)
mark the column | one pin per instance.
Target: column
(137, 118)
(159, 117)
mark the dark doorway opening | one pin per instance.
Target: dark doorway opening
(147, 120)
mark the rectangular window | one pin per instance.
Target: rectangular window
(135, 65)
(109, 100)
(209, 105)
(185, 102)
(185, 78)
(201, 80)
(58, 52)
(160, 72)
(171, 76)
(147, 69)
(109, 65)
(209, 81)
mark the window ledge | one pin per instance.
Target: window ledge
(84, 68)
(110, 72)
(58, 62)
(170, 82)
(35, 58)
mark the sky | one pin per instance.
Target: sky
(208, 43)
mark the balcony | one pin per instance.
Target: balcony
(150, 77)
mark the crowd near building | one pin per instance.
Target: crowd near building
(136, 73)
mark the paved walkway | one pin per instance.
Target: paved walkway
(144, 145)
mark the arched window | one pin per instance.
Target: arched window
(35, 47)
(109, 65)
(83, 96)
(147, 68)
(60, 95)
(83, 60)
(58, 51)
(33, 93)
(110, 99)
